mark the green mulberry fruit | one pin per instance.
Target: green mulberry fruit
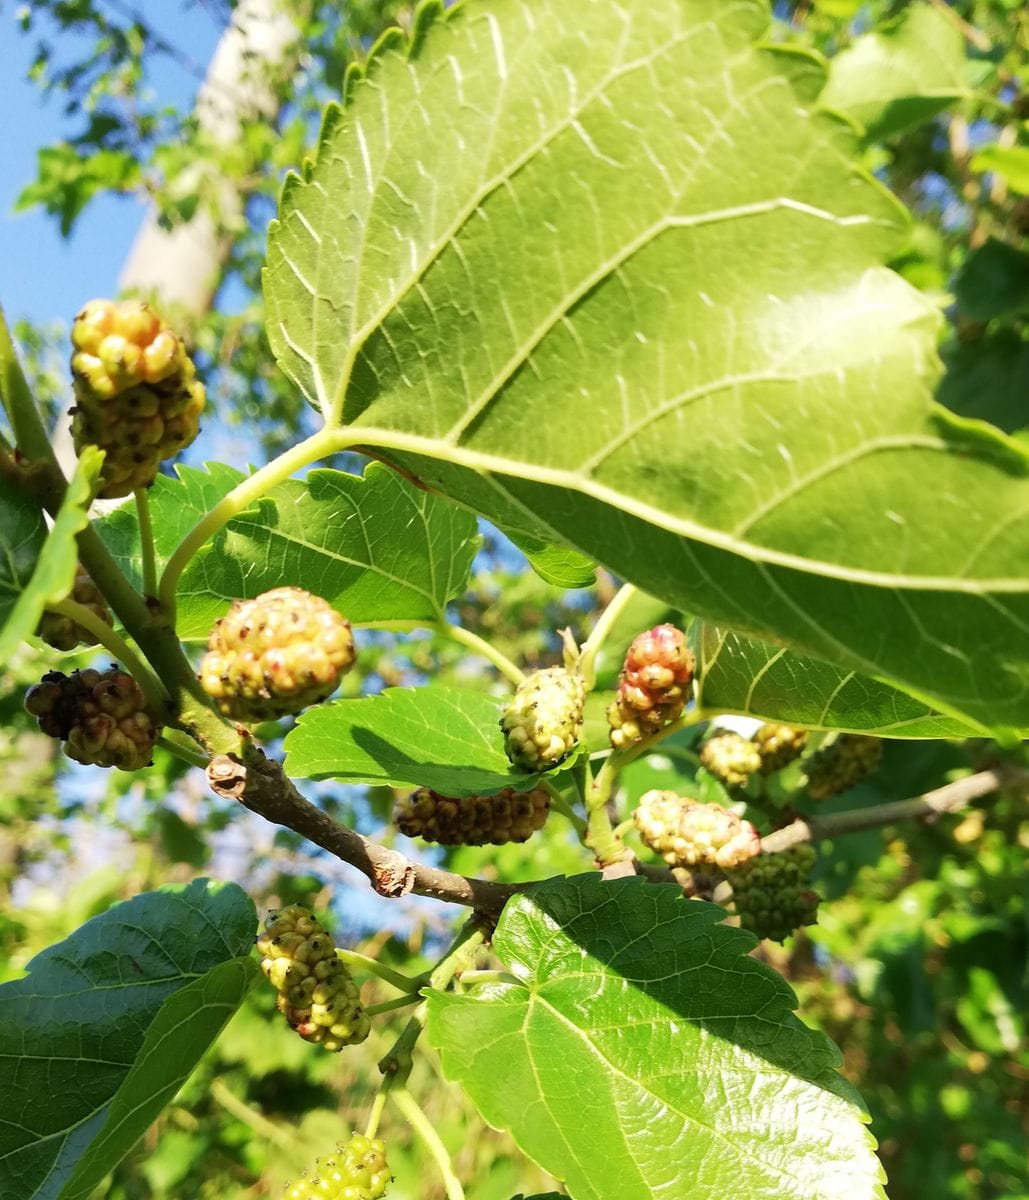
(276, 654)
(772, 893)
(509, 816)
(778, 746)
(316, 993)
(101, 717)
(686, 832)
(842, 763)
(653, 685)
(730, 758)
(62, 632)
(136, 392)
(542, 723)
(357, 1171)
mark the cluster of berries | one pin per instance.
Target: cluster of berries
(136, 392)
(317, 995)
(772, 895)
(688, 833)
(357, 1171)
(653, 685)
(276, 654)
(509, 816)
(102, 717)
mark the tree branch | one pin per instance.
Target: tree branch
(261, 785)
(943, 800)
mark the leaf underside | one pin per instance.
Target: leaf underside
(602, 273)
(640, 1026)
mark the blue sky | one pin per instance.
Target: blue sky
(42, 276)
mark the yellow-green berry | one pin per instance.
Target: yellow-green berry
(730, 758)
(842, 763)
(778, 746)
(357, 1171)
(771, 893)
(543, 721)
(686, 832)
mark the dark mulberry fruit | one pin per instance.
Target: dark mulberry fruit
(686, 832)
(276, 654)
(357, 1171)
(61, 632)
(653, 685)
(772, 895)
(841, 764)
(730, 758)
(316, 993)
(778, 746)
(101, 717)
(509, 816)
(543, 721)
(136, 392)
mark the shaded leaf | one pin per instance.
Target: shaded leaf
(899, 75)
(641, 1025)
(445, 738)
(106, 1026)
(988, 379)
(993, 281)
(556, 565)
(737, 674)
(51, 557)
(745, 433)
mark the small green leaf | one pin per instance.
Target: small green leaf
(106, 1026)
(900, 75)
(557, 565)
(738, 674)
(640, 1024)
(445, 738)
(1010, 162)
(375, 546)
(54, 559)
(993, 281)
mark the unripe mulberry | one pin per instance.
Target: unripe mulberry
(509, 816)
(772, 895)
(276, 654)
(357, 1171)
(101, 716)
(317, 995)
(841, 764)
(136, 392)
(653, 685)
(62, 632)
(686, 832)
(778, 746)
(730, 758)
(543, 721)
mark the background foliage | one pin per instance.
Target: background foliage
(916, 968)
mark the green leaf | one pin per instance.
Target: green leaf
(557, 565)
(709, 383)
(640, 1024)
(107, 1025)
(53, 555)
(737, 674)
(445, 738)
(993, 281)
(1010, 162)
(376, 547)
(900, 75)
(988, 379)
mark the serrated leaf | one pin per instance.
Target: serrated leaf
(597, 272)
(54, 555)
(899, 75)
(176, 505)
(640, 1025)
(445, 738)
(107, 1024)
(375, 546)
(737, 674)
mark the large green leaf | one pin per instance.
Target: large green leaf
(737, 674)
(599, 272)
(640, 1025)
(445, 738)
(376, 547)
(900, 75)
(50, 557)
(106, 1026)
